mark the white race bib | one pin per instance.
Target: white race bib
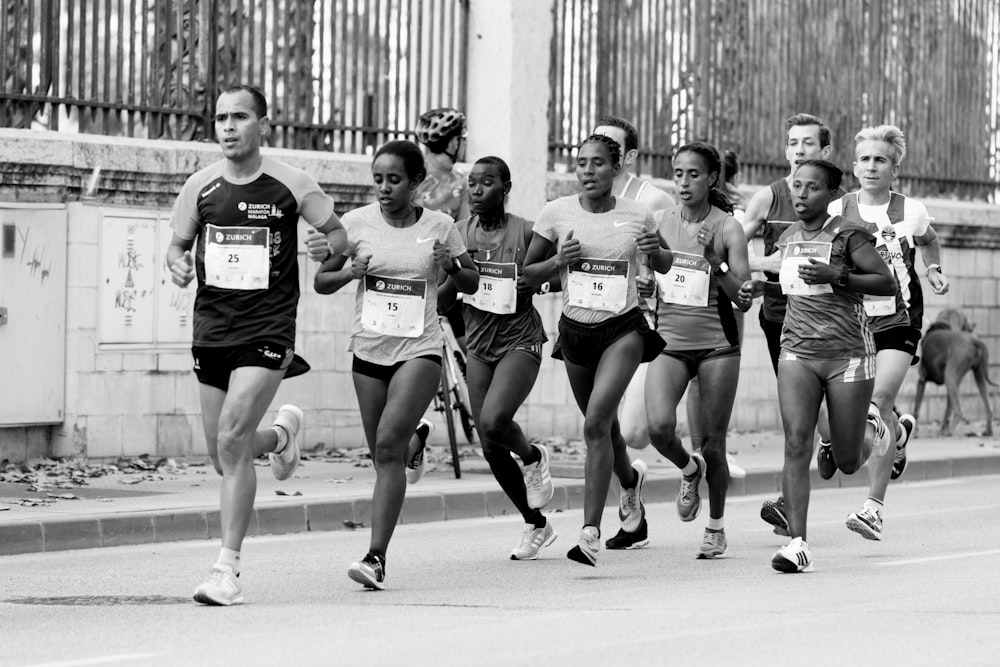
(598, 284)
(237, 257)
(393, 306)
(687, 281)
(878, 306)
(497, 291)
(797, 254)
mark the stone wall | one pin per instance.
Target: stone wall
(135, 401)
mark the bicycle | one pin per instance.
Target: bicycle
(453, 393)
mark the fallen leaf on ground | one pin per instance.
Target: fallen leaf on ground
(353, 524)
(279, 492)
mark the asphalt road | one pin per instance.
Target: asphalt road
(929, 594)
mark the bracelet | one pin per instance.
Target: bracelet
(842, 280)
(544, 287)
(934, 267)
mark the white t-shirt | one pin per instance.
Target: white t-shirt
(399, 253)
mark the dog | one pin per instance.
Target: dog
(949, 351)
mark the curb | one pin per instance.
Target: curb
(111, 530)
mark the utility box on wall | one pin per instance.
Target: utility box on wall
(32, 314)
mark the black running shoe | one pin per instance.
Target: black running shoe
(773, 512)
(824, 460)
(369, 571)
(634, 540)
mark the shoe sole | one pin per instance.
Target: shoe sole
(711, 556)
(293, 441)
(639, 544)
(578, 555)
(206, 599)
(363, 579)
(863, 529)
(775, 518)
(642, 507)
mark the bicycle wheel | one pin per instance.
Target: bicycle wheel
(448, 406)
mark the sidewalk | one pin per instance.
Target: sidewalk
(330, 492)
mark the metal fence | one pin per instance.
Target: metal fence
(731, 71)
(341, 75)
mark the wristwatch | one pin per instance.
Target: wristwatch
(934, 267)
(722, 269)
(842, 280)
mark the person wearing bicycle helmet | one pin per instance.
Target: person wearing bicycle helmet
(442, 132)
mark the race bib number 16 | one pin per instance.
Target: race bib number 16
(599, 284)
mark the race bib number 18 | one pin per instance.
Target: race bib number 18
(497, 291)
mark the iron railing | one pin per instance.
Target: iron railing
(340, 75)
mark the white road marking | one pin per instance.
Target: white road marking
(99, 660)
(933, 559)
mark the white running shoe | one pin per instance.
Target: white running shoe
(794, 557)
(538, 480)
(866, 522)
(630, 507)
(532, 541)
(880, 439)
(713, 544)
(284, 463)
(221, 588)
(369, 572)
(417, 464)
(586, 549)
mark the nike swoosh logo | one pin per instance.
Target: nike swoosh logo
(622, 222)
(429, 238)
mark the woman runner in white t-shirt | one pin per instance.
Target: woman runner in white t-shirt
(603, 336)
(398, 254)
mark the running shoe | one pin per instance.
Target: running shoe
(736, 471)
(416, 465)
(221, 588)
(773, 512)
(824, 460)
(880, 438)
(794, 557)
(586, 549)
(532, 541)
(867, 523)
(369, 571)
(908, 423)
(688, 497)
(626, 540)
(538, 480)
(713, 544)
(284, 463)
(631, 511)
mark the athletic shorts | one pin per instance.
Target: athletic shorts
(533, 350)
(213, 365)
(385, 373)
(584, 344)
(854, 369)
(693, 358)
(904, 338)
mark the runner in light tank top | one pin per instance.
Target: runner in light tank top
(696, 318)
(826, 346)
(504, 334)
(598, 239)
(399, 255)
(632, 411)
(899, 225)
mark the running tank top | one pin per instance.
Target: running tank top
(488, 333)
(681, 323)
(636, 191)
(833, 325)
(894, 242)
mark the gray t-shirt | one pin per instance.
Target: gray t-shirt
(405, 254)
(608, 236)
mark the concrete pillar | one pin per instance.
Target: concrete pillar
(508, 93)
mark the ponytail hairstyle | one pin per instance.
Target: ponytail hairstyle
(717, 196)
(498, 164)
